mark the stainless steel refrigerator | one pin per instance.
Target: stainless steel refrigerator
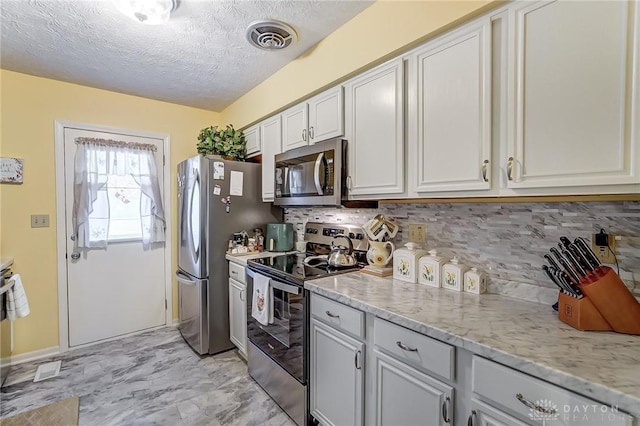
(215, 198)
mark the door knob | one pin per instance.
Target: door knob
(72, 237)
(75, 255)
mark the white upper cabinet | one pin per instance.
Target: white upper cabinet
(574, 94)
(294, 127)
(252, 136)
(315, 120)
(453, 114)
(374, 129)
(271, 136)
(326, 115)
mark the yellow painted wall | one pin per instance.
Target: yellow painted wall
(29, 107)
(382, 30)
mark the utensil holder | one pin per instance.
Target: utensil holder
(581, 314)
(615, 302)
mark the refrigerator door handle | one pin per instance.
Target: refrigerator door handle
(182, 278)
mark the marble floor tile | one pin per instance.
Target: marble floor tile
(152, 378)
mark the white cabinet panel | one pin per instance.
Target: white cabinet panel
(575, 105)
(252, 137)
(454, 111)
(336, 376)
(405, 396)
(238, 314)
(485, 415)
(326, 115)
(374, 129)
(271, 135)
(294, 127)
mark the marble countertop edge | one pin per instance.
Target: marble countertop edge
(598, 391)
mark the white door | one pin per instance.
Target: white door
(238, 314)
(454, 111)
(119, 289)
(271, 135)
(252, 136)
(326, 115)
(374, 129)
(336, 377)
(294, 127)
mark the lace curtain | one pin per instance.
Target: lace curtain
(95, 160)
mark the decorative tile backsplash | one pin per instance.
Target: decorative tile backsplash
(505, 240)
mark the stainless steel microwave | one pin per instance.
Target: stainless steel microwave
(312, 175)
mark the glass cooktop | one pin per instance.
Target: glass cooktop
(291, 267)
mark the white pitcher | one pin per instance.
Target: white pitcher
(380, 253)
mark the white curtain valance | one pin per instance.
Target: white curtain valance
(95, 160)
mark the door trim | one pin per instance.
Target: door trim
(61, 227)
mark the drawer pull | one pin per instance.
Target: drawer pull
(445, 410)
(330, 315)
(472, 418)
(534, 406)
(405, 347)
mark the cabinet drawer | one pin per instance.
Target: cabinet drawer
(338, 315)
(237, 272)
(520, 393)
(415, 348)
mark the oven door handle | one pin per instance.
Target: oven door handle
(279, 285)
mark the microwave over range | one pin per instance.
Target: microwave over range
(313, 175)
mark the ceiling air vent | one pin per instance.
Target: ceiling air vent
(271, 35)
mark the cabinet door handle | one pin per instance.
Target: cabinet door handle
(311, 132)
(485, 164)
(242, 295)
(534, 406)
(510, 168)
(405, 347)
(349, 182)
(357, 360)
(330, 315)
(445, 410)
(304, 134)
(471, 421)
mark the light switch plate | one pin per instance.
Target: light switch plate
(417, 232)
(39, 220)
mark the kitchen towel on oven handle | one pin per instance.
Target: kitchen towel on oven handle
(262, 299)
(17, 303)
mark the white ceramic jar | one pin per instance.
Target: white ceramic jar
(429, 269)
(405, 262)
(452, 275)
(475, 282)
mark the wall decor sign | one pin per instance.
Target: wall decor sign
(11, 170)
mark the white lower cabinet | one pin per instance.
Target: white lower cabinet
(336, 378)
(485, 415)
(406, 396)
(238, 307)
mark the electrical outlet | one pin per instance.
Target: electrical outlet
(39, 220)
(417, 232)
(600, 248)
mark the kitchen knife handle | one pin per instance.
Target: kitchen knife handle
(553, 262)
(565, 241)
(510, 168)
(565, 266)
(588, 252)
(574, 262)
(584, 262)
(485, 165)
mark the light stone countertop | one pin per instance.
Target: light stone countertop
(241, 259)
(527, 336)
(5, 263)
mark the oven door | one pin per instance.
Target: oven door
(284, 340)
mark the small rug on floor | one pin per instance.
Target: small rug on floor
(61, 413)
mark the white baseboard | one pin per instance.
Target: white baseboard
(34, 356)
(176, 322)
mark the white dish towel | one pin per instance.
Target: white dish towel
(262, 303)
(17, 303)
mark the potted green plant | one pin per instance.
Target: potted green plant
(228, 143)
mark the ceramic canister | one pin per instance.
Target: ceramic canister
(429, 269)
(452, 275)
(475, 282)
(405, 262)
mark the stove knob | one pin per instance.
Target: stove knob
(352, 235)
(359, 236)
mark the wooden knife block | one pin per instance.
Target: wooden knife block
(608, 305)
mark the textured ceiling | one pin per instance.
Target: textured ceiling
(199, 58)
